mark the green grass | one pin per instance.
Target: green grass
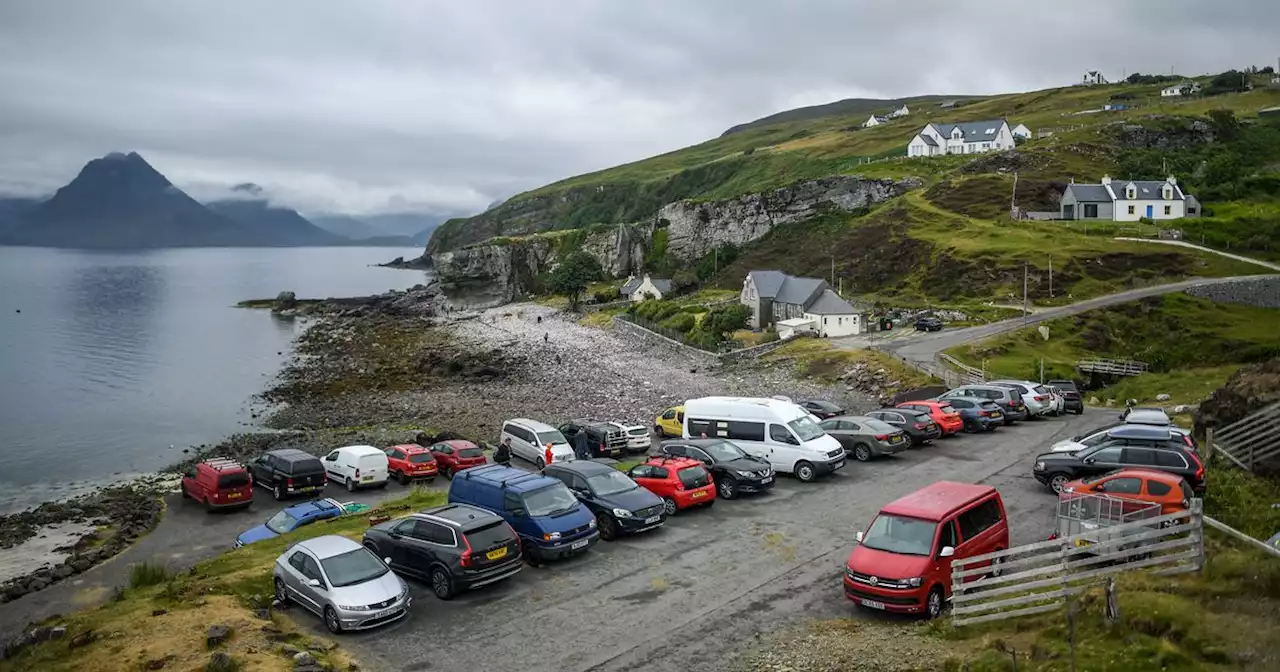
(147, 573)
(817, 358)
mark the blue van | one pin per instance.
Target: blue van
(550, 520)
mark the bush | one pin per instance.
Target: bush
(146, 574)
(680, 322)
(770, 335)
(607, 295)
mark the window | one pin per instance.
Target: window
(847, 424)
(407, 528)
(976, 520)
(442, 448)
(899, 534)
(781, 435)
(700, 427)
(1168, 209)
(311, 569)
(297, 560)
(397, 454)
(1157, 488)
(1090, 210)
(434, 533)
(948, 536)
(744, 431)
(1123, 486)
(641, 471)
(658, 472)
(1141, 456)
(353, 567)
(677, 450)
(959, 403)
(1106, 455)
(1131, 209)
(669, 415)
(511, 501)
(698, 455)
(1165, 458)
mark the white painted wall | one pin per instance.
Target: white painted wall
(1177, 210)
(834, 326)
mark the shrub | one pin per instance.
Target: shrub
(607, 295)
(680, 322)
(770, 335)
(146, 574)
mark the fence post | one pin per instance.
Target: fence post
(1197, 530)
(1208, 444)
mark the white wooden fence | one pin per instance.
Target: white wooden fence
(1251, 440)
(1113, 367)
(1037, 578)
(968, 375)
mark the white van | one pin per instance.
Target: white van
(772, 429)
(529, 439)
(357, 467)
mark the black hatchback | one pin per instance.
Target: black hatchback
(619, 504)
(733, 470)
(1137, 446)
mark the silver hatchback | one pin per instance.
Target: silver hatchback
(342, 582)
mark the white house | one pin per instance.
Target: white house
(900, 112)
(1127, 201)
(1181, 89)
(873, 120)
(797, 305)
(1093, 77)
(971, 137)
(645, 288)
(1021, 131)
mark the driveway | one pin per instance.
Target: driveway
(693, 594)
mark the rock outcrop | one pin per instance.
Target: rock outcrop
(695, 228)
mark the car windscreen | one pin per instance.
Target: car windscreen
(921, 418)
(421, 458)
(471, 451)
(236, 480)
(488, 536)
(900, 534)
(282, 522)
(553, 437)
(948, 409)
(693, 477)
(555, 498)
(610, 482)
(806, 428)
(352, 567)
(1064, 385)
(724, 451)
(307, 466)
(879, 426)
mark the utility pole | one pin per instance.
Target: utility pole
(1024, 294)
(1013, 197)
(717, 260)
(1050, 277)
(833, 269)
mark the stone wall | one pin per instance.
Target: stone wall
(756, 351)
(1260, 292)
(640, 334)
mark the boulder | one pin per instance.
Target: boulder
(83, 639)
(221, 661)
(216, 635)
(286, 301)
(303, 658)
(1163, 397)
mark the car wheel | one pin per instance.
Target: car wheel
(351, 486)
(541, 464)
(403, 478)
(933, 604)
(1057, 481)
(995, 565)
(670, 506)
(183, 490)
(1080, 412)
(530, 553)
(208, 505)
(441, 583)
(608, 528)
(282, 593)
(805, 472)
(277, 491)
(727, 488)
(331, 621)
(862, 452)
(446, 472)
(710, 503)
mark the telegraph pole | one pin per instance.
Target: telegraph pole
(833, 269)
(1050, 277)
(1024, 294)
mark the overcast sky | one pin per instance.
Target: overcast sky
(368, 105)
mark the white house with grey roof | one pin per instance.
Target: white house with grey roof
(874, 120)
(1127, 200)
(798, 305)
(638, 289)
(970, 137)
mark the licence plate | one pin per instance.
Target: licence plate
(233, 495)
(700, 493)
(497, 553)
(997, 415)
(384, 612)
(578, 544)
(895, 439)
(873, 604)
(366, 478)
(766, 480)
(1083, 542)
(652, 519)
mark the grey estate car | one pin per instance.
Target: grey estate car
(864, 437)
(1008, 399)
(342, 582)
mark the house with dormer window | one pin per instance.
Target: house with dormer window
(970, 137)
(1127, 200)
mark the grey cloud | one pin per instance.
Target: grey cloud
(446, 106)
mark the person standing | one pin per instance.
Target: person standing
(580, 445)
(503, 454)
(548, 454)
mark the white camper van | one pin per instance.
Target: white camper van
(773, 429)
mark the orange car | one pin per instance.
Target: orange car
(948, 420)
(1170, 491)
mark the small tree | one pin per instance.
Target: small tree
(683, 281)
(572, 276)
(720, 323)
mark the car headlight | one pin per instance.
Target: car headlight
(914, 581)
(592, 524)
(744, 474)
(552, 536)
(351, 608)
(1039, 466)
(622, 513)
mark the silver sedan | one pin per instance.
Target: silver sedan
(342, 582)
(864, 437)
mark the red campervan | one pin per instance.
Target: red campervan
(949, 421)
(219, 483)
(410, 462)
(681, 482)
(903, 561)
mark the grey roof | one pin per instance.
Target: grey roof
(1089, 193)
(928, 140)
(767, 282)
(631, 286)
(949, 103)
(800, 291)
(972, 131)
(1147, 189)
(830, 303)
(663, 284)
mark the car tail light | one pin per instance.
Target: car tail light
(357, 473)
(882, 437)
(679, 486)
(1186, 438)
(1199, 466)
(1039, 398)
(920, 425)
(288, 482)
(465, 558)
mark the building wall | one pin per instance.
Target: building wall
(835, 326)
(1177, 209)
(646, 290)
(1105, 208)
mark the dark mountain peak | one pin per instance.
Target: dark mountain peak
(249, 189)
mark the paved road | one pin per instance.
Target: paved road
(921, 348)
(692, 594)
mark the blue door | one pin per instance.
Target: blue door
(1148, 212)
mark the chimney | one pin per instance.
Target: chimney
(1106, 179)
(1173, 180)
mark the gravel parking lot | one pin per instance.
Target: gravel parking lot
(697, 592)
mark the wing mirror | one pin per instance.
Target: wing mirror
(1089, 460)
(858, 537)
(314, 583)
(519, 513)
(946, 552)
(386, 561)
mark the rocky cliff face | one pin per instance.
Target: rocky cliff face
(695, 229)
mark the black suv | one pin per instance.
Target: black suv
(1072, 402)
(1135, 446)
(288, 471)
(929, 324)
(453, 547)
(603, 439)
(619, 504)
(732, 469)
(821, 409)
(919, 426)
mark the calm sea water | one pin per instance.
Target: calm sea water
(112, 362)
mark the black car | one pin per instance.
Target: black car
(288, 471)
(822, 409)
(1073, 401)
(929, 324)
(620, 505)
(453, 548)
(919, 426)
(1139, 446)
(603, 439)
(733, 470)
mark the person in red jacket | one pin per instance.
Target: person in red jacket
(548, 453)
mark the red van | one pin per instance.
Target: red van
(902, 563)
(219, 483)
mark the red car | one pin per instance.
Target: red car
(681, 482)
(409, 461)
(455, 455)
(219, 483)
(1170, 491)
(948, 420)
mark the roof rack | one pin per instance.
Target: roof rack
(220, 463)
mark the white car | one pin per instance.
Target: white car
(638, 439)
(1037, 397)
(357, 467)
